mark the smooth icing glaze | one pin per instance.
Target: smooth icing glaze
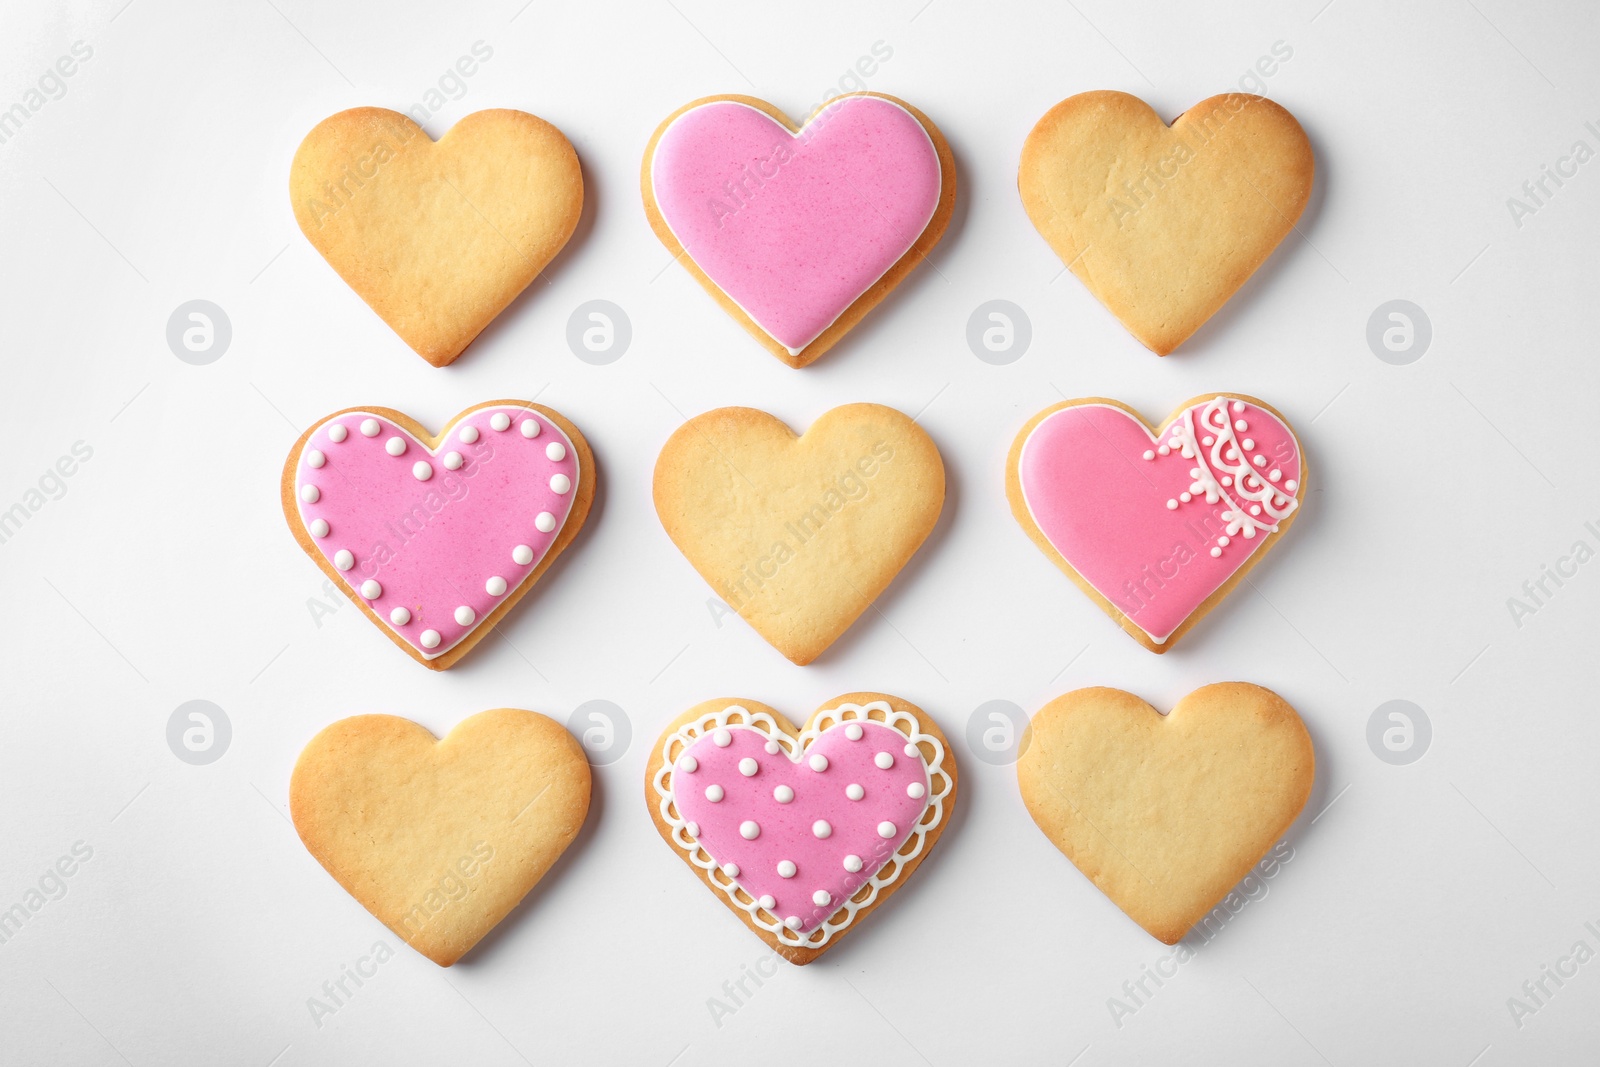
(794, 228)
(802, 867)
(434, 546)
(1158, 524)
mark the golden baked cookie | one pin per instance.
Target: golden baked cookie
(1164, 224)
(1166, 813)
(799, 534)
(437, 237)
(440, 839)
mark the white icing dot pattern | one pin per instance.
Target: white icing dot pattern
(400, 616)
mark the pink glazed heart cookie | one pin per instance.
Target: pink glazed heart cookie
(799, 231)
(802, 832)
(434, 538)
(1157, 526)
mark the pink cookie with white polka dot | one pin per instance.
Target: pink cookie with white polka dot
(802, 832)
(435, 537)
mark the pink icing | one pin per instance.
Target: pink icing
(787, 828)
(1105, 507)
(434, 545)
(794, 228)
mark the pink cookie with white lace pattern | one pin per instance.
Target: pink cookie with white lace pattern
(1157, 526)
(802, 832)
(436, 537)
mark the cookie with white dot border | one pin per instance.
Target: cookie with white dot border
(802, 832)
(436, 536)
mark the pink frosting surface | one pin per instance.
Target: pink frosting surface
(434, 545)
(1106, 508)
(794, 228)
(787, 829)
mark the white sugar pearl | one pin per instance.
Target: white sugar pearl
(530, 428)
(465, 616)
(499, 420)
(310, 494)
(688, 765)
(371, 589)
(1223, 540)
(887, 829)
(1185, 497)
(916, 790)
(1149, 454)
(522, 555)
(822, 828)
(767, 902)
(853, 732)
(783, 794)
(544, 522)
(1249, 444)
(714, 794)
(555, 451)
(771, 748)
(337, 433)
(370, 428)
(884, 760)
(430, 639)
(400, 616)
(469, 435)
(854, 791)
(731, 870)
(560, 484)
(1291, 485)
(749, 830)
(852, 864)
(786, 869)
(343, 559)
(1240, 425)
(495, 586)
(792, 922)
(1275, 474)
(818, 762)
(1260, 461)
(1238, 406)
(748, 767)
(1172, 505)
(319, 527)
(821, 896)
(721, 738)
(315, 458)
(1216, 553)
(453, 461)
(395, 446)
(422, 471)
(692, 829)
(912, 751)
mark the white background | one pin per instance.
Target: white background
(1413, 908)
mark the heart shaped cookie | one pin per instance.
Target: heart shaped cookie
(1163, 224)
(1157, 526)
(802, 832)
(1166, 813)
(435, 537)
(440, 839)
(437, 237)
(799, 231)
(799, 534)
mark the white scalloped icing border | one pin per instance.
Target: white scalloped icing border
(887, 874)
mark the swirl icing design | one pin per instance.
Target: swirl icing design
(795, 227)
(1157, 523)
(802, 833)
(433, 540)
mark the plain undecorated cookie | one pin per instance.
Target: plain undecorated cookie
(1163, 224)
(1166, 813)
(799, 534)
(440, 839)
(437, 237)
